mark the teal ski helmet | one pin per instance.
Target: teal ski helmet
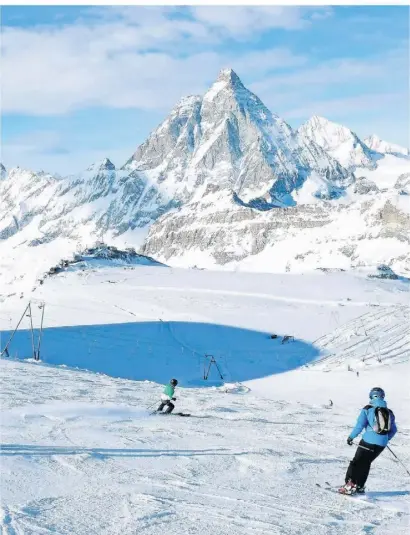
(376, 392)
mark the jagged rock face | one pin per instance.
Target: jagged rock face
(3, 172)
(227, 231)
(340, 142)
(80, 206)
(218, 231)
(224, 177)
(230, 139)
(403, 184)
(364, 186)
(376, 144)
(24, 196)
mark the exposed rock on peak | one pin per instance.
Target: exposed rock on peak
(340, 142)
(224, 177)
(103, 165)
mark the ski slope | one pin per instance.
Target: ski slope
(377, 338)
(81, 454)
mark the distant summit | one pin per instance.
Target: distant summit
(103, 165)
(378, 145)
(338, 141)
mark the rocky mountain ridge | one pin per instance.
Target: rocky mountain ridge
(223, 180)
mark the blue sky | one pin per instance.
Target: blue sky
(79, 84)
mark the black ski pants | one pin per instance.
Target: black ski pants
(359, 466)
(170, 406)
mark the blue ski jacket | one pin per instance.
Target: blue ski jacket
(365, 420)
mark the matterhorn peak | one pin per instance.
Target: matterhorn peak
(228, 76)
(227, 80)
(102, 165)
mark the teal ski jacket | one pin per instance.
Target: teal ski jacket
(169, 391)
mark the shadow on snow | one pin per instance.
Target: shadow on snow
(157, 351)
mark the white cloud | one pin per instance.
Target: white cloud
(393, 64)
(345, 106)
(46, 150)
(261, 62)
(117, 62)
(148, 58)
(242, 21)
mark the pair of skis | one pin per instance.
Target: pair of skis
(184, 414)
(337, 490)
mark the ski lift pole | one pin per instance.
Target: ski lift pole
(37, 356)
(5, 350)
(219, 371)
(394, 455)
(206, 373)
(32, 331)
(212, 361)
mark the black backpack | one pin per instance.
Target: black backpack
(382, 420)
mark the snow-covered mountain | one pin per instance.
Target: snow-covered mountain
(221, 181)
(378, 145)
(229, 140)
(340, 142)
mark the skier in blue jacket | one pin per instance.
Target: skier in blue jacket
(379, 424)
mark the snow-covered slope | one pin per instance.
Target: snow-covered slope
(383, 147)
(340, 142)
(376, 338)
(90, 458)
(146, 309)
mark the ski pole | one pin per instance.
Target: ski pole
(363, 447)
(394, 455)
(150, 407)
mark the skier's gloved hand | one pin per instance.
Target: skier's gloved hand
(174, 399)
(350, 441)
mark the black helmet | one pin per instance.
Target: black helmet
(376, 392)
(173, 382)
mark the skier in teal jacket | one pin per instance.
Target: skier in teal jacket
(167, 397)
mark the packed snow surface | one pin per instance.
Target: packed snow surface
(81, 453)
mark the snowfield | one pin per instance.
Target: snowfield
(82, 454)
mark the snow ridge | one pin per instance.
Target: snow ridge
(343, 144)
(220, 163)
(376, 144)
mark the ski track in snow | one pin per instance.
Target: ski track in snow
(283, 299)
(82, 455)
(109, 468)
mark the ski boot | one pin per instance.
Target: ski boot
(349, 488)
(360, 490)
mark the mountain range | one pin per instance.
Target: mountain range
(222, 182)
